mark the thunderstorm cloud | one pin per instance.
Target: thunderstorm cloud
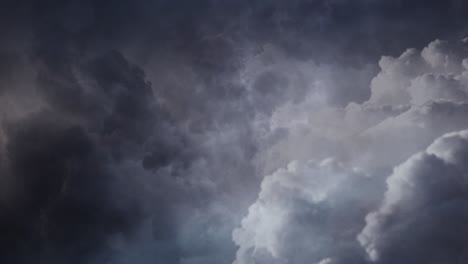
(233, 132)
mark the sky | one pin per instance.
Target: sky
(233, 132)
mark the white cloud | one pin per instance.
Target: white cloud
(308, 212)
(416, 98)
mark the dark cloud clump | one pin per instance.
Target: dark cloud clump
(68, 200)
(61, 210)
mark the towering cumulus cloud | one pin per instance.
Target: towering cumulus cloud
(328, 212)
(221, 131)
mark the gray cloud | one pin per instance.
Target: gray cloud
(423, 211)
(141, 131)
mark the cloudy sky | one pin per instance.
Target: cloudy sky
(233, 132)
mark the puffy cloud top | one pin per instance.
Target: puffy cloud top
(307, 213)
(420, 76)
(424, 208)
(325, 212)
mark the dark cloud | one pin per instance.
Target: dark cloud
(69, 200)
(61, 209)
(141, 131)
(208, 32)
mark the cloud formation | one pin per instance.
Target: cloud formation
(314, 212)
(142, 131)
(423, 212)
(307, 213)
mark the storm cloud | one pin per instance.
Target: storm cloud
(310, 212)
(232, 131)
